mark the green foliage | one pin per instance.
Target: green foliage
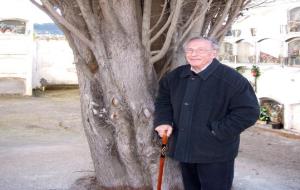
(264, 114)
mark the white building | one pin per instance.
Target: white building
(16, 46)
(266, 34)
(269, 36)
(25, 59)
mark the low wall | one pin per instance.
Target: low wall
(47, 59)
(53, 62)
(281, 84)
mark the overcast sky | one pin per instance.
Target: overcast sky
(22, 9)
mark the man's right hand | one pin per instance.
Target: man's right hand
(162, 128)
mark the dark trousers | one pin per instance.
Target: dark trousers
(210, 176)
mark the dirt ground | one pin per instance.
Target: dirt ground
(43, 147)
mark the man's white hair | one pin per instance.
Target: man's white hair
(213, 42)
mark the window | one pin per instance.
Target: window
(294, 53)
(234, 33)
(226, 52)
(294, 20)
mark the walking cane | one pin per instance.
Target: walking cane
(162, 160)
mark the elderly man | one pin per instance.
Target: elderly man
(204, 106)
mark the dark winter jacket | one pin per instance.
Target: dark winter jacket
(207, 111)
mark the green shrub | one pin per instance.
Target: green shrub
(264, 114)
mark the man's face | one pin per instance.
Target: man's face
(199, 53)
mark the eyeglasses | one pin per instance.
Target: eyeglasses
(197, 51)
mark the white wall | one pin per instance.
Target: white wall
(281, 84)
(295, 117)
(270, 22)
(16, 62)
(53, 61)
(22, 59)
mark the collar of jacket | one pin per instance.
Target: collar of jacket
(187, 72)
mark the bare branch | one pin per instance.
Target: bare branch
(78, 60)
(258, 4)
(239, 4)
(166, 67)
(90, 18)
(203, 12)
(46, 6)
(170, 33)
(154, 52)
(188, 22)
(160, 17)
(213, 13)
(216, 27)
(165, 26)
(146, 24)
(94, 29)
(38, 5)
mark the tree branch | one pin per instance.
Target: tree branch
(166, 67)
(198, 25)
(90, 19)
(170, 33)
(78, 60)
(160, 17)
(146, 24)
(94, 29)
(231, 18)
(217, 26)
(154, 52)
(188, 22)
(203, 12)
(258, 4)
(211, 16)
(165, 26)
(47, 7)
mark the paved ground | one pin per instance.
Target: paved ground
(42, 147)
(267, 161)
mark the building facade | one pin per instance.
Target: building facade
(268, 36)
(269, 33)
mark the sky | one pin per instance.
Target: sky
(22, 9)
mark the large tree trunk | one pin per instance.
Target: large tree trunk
(113, 45)
(117, 106)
